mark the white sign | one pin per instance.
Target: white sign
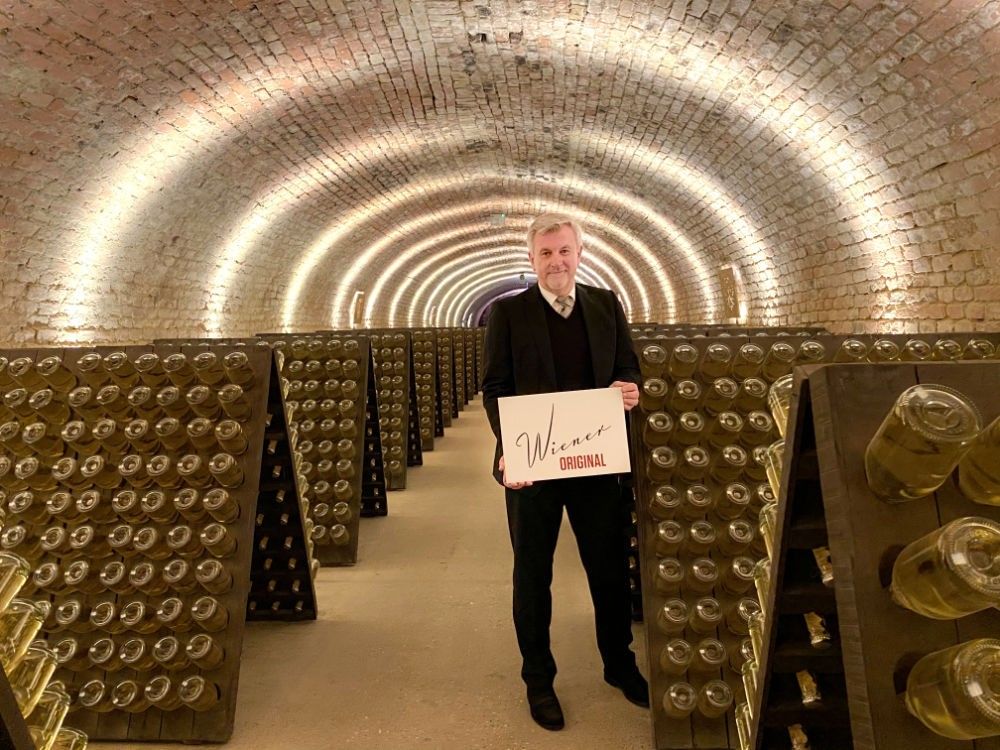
(567, 434)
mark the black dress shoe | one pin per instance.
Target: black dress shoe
(545, 708)
(632, 684)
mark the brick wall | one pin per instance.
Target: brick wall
(173, 168)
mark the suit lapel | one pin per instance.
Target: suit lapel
(535, 315)
(597, 333)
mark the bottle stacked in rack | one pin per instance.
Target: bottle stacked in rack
(445, 374)
(425, 376)
(325, 389)
(29, 664)
(130, 481)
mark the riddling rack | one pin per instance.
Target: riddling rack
(471, 379)
(283, 567)
(458, 357)
(859, 670)
(660, 502)
(325, 381)
(446, 376)
(425, 379)
(277, 593)
(133, 499)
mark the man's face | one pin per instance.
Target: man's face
(555, 257)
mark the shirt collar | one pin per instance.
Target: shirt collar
(551, 298)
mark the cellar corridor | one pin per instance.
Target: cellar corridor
(414, 646)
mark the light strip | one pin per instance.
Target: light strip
(447, 290)
(589, 241)
(452, 290)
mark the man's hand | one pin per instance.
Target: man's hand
(512, 485)
(630, 393)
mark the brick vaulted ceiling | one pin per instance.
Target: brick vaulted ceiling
(177, 167)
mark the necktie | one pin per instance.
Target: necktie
(565, 305)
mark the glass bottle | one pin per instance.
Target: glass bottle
(169, 654)
(698, 500)
(738, 617)
(720, 396)
(664, 503)
(819, 636)
(70, 654)
(238, 369)
(947, 350)
(56, 375)
(205, 652)
(669, 575)
(170, 399)
(47, 718)
(730, 464)
(734, 502)
(756, 626)
(749, 672)
(135, 654)
(690, 428)
(114, 577)
(954, 691)
(208, 368)
(748, 361)
(103, 655)
(683, 361)
(735, 538)
(128, 696)
(686, 396)
(188, 503)
(706, 615)
(851, 350)
(179, 576)
(218, 541)
(225, 470)
(137, 616)
(676, 656)
(737, 577)
(797, 736)
(979, 468)
(79, 575)
(715, 698)
(231, 438)
(170, 433)
(77, 437)
(979, 349)
(702, 576)
(811, 695)
(174, 615)
(652, 360)
(44, 440)
(179, 370)
(744, 721)
(775, 457)
(62, 507)
(654, 392)
(20, 623)
(209, 614)
(104, 618)
(884, 350)
(752, 395)
(701, 538)
(716, 362)
(150, 370)
(234, 402)
(726, 429)
(221, 505)
(916, 350)
(778, 361)
(762, 578)
(920, 442)
(193, 471)
(825, 565)
(198, 694)
(810, 353)
(201, 433)
(951, 572)
(680, 700)
(339, 534)
(672, 617)
(161, 694)
(28, 507)
(657, 429)
(694, 463)
(144, 576)
(148, 541)
(142, 400)
(669, 536)
(661, 464)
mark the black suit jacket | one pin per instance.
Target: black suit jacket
(519, 355)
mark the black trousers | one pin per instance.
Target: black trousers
(596, 514)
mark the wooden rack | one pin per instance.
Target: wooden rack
(446, 376)
(282, 574)
(427, 394)
(13, 729)
(825, 501)
(215, 724)
(374, 501)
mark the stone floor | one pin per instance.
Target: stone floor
(414, 646)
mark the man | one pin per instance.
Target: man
(563, 336)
